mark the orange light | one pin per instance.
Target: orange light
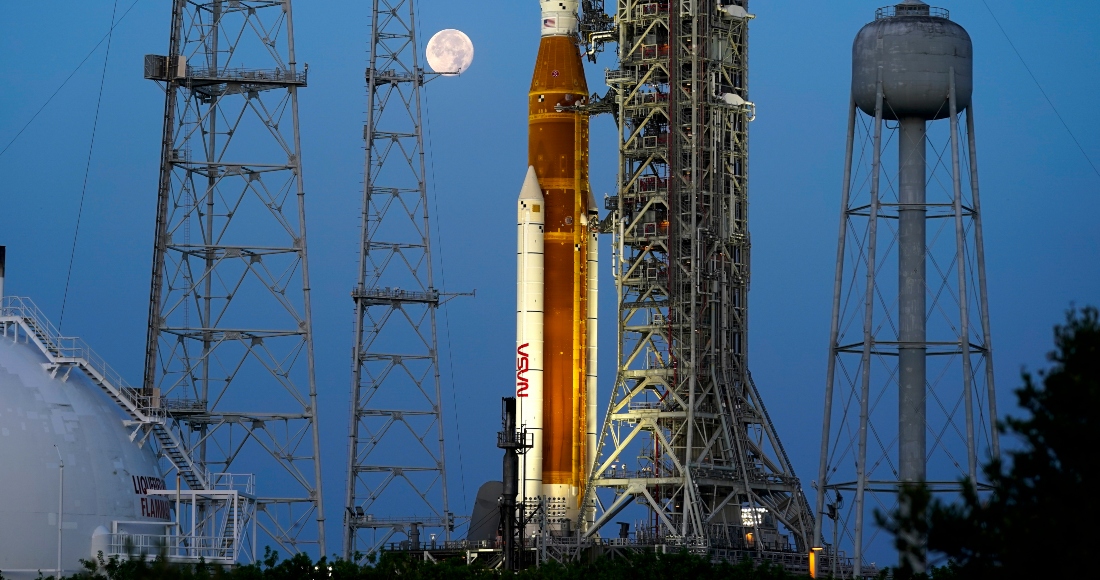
(813, 561)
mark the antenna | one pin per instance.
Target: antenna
(397, 476)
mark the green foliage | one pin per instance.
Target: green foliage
(1044, 507)
(643, 566)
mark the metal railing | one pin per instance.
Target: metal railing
(174, 548)
(183, 406)
(73, 350)
(67, 350)
(388, 293)
(243, 483)
(915, 10)
(246, 75)
(373, 521)
(617, 76)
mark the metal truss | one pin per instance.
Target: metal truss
(229, 356)
(686, 434)
(397, 478)
(860, 444)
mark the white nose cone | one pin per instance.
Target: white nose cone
(531, 190)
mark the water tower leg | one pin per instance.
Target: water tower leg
(964, 299)
(868, 315)
(834, 331)
(983, 294)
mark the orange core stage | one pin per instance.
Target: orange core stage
(558, 150)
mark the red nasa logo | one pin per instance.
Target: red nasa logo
(523, 365)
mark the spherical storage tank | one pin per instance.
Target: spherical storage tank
(106, 475)
(915, 46)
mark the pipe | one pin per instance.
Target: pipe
(591, 395)
(60, 505)
(912, 276)
(3, 264)
(510, 487)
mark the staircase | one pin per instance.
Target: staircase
(234, 521)
(62, 351)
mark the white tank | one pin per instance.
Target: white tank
(106, 475)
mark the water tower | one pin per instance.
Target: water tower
(909, 395)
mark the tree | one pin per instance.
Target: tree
(1041, 518)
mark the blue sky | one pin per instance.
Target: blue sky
(1041, 198)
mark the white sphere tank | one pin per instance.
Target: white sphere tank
(106, 475)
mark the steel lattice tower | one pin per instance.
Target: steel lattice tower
(686, 432)
(909, 395)
(395, 447)
(229, 356)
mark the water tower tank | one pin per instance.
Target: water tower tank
(915, 46)
(106, 475)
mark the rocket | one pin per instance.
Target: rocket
(557, 263)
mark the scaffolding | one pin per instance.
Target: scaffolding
(229, 355)
(395, 437)
(686, 434)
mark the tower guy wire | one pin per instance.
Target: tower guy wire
(87, 169)
(1039, 85)
(67, 79)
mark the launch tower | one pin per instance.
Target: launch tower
(909, 396)
(229, 385)
(687, 435)
(395, 437)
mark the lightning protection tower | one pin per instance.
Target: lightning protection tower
(686, 434)
(229, 356)
(395, 447)
(909, 395)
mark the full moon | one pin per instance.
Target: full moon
(450, 52)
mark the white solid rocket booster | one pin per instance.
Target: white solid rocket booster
(591, 382)
(529, 327)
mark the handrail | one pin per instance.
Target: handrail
(916, 10)
(72, 350)
(217, 549)
(75, 350)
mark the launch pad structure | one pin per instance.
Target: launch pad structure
(687, 434)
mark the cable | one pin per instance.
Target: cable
(68, 78)
(446, 311)
(443, 280)
(87, 166)
(1045, 96)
